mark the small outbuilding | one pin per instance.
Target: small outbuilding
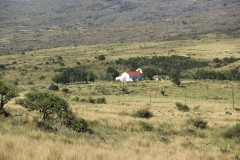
(131, 76)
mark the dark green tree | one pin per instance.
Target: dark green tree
(7, 92)
(176, 79)
(111, 73)
(149, 72)
(54, 111)
(75, 74)
(51, 107)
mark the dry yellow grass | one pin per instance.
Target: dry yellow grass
(123, 139)
(117, 134)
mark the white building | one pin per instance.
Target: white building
(131, 76)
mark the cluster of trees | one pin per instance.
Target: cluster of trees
(165, 64)
(73, 75)
(82, 75)
(225, 60)
(149, 72)
(233, 74)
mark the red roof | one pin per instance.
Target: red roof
(134, 73)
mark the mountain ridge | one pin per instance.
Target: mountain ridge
(32, 24)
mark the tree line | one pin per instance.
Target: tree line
(166, 64)
(233, 74)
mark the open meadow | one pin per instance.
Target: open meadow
(116, 132)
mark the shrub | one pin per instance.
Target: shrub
(125, 90)
(97, 101)
(65, 90)
(145, 126)
(16, 82)
(164, 140)
(91, 100)
(237, 109)
(182, 107)
(143, 113)
(101, 100)
(233, 132)
(42, 77)
(30, 83)
(100, 57)
(46, 125)
(176, 80)
(162, 92)
(79, 125)
(198, 122)
(83, 100)
(53, 87)
(165, 129)
(76, 99)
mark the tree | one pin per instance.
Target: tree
(149, 72)
(111, 73)
(51, 107)
(175, 79)
(7, 92)
(75, 74)
(54, 111)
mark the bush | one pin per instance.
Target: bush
(97, 101)
(100, 57)
(162, 92)
(125, 90)
(176, 80)
(182, 107)
(79, 125)
(165, 129)
(198, 122)
(145, 126)
(76, 99)
(46, 125)
(143, 113)
(101, 100)
(65, 90)
(42, 77)
(30, 83)
(233, 132)
(53, 87)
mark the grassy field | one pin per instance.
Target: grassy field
(116, 133)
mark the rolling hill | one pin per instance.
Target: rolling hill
(31, 24)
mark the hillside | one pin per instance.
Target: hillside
(58, 94)
(116, 132)
(32, 24)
